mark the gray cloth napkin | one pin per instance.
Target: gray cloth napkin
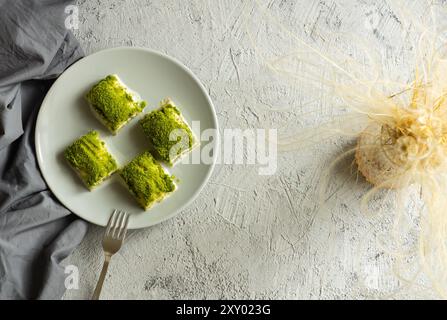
(36, 231)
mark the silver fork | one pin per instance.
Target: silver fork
(113, 239)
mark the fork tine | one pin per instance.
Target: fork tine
(123, 230)
(111, 222)
(119, 222)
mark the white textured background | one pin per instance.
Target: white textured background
(248, 236)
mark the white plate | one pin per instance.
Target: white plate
(65, 116)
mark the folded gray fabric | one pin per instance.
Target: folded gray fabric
(36, 231)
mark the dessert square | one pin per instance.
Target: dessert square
(89, 157)
(158, 126)
(113, 103)
(146, 180)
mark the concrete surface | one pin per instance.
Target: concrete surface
(248, 236)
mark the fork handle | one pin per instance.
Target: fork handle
(102, 276)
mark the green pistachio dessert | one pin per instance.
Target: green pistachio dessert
(146, 180)
(113, 103)
(169, 134)
(89, 157)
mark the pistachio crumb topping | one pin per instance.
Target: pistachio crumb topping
(90, 159)
(158, 126)
(114, 102)
(146, 179)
